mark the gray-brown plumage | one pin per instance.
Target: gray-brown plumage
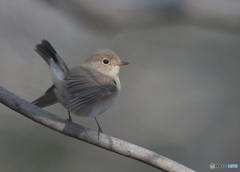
(86, 90)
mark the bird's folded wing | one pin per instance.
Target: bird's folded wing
(85, 91)
(49, 98)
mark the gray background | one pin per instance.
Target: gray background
(179, 97)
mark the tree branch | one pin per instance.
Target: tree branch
(87, 135)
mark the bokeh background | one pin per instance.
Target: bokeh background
(180, 94)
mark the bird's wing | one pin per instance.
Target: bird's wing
(86, 88)
(47, 99)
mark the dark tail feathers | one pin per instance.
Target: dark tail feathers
(47, 52)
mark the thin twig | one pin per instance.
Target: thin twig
(87, 135)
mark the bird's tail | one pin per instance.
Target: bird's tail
(51, 57)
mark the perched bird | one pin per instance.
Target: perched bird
(86, 90)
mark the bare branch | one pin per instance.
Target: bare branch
(87, 135)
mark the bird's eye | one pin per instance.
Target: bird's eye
(105, 61)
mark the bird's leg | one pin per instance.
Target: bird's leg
(69, 117)
(99, 128)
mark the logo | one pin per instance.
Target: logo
(213, 166)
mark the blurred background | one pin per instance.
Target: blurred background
(180, 94)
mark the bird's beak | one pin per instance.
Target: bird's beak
(122, 63)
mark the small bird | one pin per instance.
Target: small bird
(86, 90)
